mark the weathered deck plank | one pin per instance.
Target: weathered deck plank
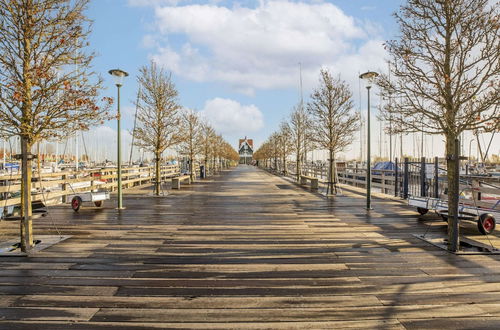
(246, 250)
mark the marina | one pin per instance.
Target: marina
(247, 249)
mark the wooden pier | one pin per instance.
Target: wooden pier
(249, 250)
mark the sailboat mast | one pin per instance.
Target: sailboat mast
(76, 152)
(133, 132)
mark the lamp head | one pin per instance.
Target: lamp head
(369, 77)
(118, 75)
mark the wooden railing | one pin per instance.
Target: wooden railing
(49, 186)
(383, 180)
(407, 180)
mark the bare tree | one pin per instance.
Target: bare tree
(219, 152)
(191, 145)
(330, 108)
(274, 150)
(214, 148)
(229, 154)
(158, 120)
(300, 127)
(446, 75)
(47, 88)
(285, 145)
(263, 154)
(207, 140)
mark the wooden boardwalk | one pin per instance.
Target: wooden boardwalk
(246, 250)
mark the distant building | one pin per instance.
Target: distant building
(245, 149)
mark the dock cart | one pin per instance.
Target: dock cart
(77, 199)
(13, 212)
(484, 216)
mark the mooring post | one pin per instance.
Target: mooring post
(64, 188)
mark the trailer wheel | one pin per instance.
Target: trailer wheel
(422, 210)
(486, 223)
(76, 203)
(98, 203)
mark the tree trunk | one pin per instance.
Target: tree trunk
(158, 175)
(26, 212)
(297, 166)
(452, 159)
(285, 170)
(334, 174)
(191, 169)
(330, 174)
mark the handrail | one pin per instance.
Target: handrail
(65, 181)
(387, 181)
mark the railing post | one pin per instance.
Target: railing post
(396, 177)
(436, 177)
(476, 193)
(64, 187)
(422, 177)
(405, 179)
(383, 181)
(355, 176)
(92, 182)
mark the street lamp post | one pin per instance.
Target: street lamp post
(119, 75)
(369, 77)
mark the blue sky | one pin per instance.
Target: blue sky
(237, 62)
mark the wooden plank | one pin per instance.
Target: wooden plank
(389, 324)
(238, 252)
(47, 314)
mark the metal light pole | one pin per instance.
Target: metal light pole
(369, 77)
(119, 75)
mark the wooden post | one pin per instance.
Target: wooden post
(150, 175)
(92, 181)
(475, 190)
(383, 181)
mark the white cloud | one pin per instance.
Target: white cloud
(142, 3)
(257, 48)
(229, 117)
(149, 41)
